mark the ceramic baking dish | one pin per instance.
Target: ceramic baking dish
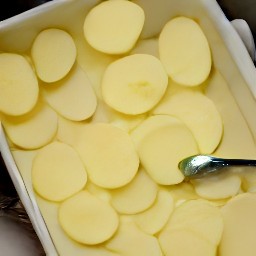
(230, 57)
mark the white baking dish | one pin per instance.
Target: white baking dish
(229, 55)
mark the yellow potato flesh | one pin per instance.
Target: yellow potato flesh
(108, 154)
(184, 51)
(136, 196)
(33, 130)
(58, 172)
(53, 53)
(134, 84)
(217, 186)
(199, 216)
(102, 27)
(87, 219)
(199, 113)
(239, 235)
(130, 240)
(73, 96)
(153, 219)
(18, 85)
(185, 242)
(161, 151)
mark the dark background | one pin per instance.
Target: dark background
(233, 9)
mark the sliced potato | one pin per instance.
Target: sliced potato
(199, 113)
(136, 196)
(239, 235)
(108, 154)
(149, 125)
(221, 186)
(161, 151)
(58, 172)
(185, 242)
(53, 53)
(32, 130)
(185, 52)
(130, 240)
(114, 26)
(87, 219)
(18, 85)
(153, 219)
(73, 96)
(134, 84)
(102, 193)
(200, 217)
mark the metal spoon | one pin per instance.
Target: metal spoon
(201, 165)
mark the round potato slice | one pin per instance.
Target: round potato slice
(108, 154)
(134, 84)
(186, 243)
(161, 151)
(185, 52)
(58, 172)
(53, 53)
(18, 85)
(200, 115)
(87, 219)
(199, 216)
(114, 26)
(73, 96)
(153, 219)
(32, 130)
(136, 196)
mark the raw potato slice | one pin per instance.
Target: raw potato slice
(153, 220)
(58, 172)
(184, 51)
(185, 242)
(239, 236)
(248, 176)
(200, 115)
(200, 217)
(33, 130)
(87, 219)
(149, 125)
(161, 151)
(134, 84)
(53, 53)
(136, 196)
(108, 154)
(221, 186)
(18, 85)
(99, 192)
(73, 96)
(130, 240)
(114, 26)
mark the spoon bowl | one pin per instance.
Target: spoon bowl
(198, 166)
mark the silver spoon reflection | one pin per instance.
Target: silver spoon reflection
(201, 165)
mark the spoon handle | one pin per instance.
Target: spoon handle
(234, 162)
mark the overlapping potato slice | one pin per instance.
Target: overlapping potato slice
(199, 113)
(18, 85)
(185, 242)
(134, 84)
(73, 96)
(239, 235)
(130, 240)
(108, 154)
(58, 172)
(102, 27)
(136, 196)
(198, 216)
(161, 151)
(32, 130)
(185, 52)
(153, 219)
(221, 186)
(53, 53)
(87, 219)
